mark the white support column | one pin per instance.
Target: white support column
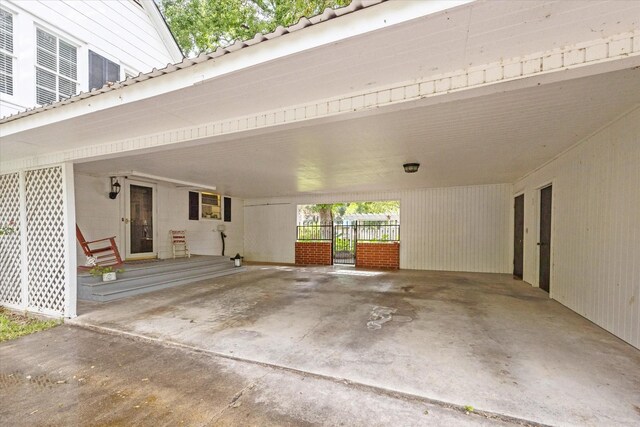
(69, 206)
(24, 265)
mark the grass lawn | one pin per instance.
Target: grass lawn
(14, 325)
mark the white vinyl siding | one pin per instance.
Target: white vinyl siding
(56, 68)
(6, 52)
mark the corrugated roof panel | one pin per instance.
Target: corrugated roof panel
(302, 23)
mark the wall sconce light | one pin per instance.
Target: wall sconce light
(115, 188)
(411, 167)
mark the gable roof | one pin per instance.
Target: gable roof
(158, 20)
(259, 38)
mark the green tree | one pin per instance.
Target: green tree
(373, 208)
(328, 212)
(204, 25)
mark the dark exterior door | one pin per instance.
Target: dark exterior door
(518, 236)
(545, 238)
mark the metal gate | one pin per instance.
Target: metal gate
(344, 238)
(344, 243)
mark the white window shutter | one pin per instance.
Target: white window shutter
(6, 49)
(56, 68)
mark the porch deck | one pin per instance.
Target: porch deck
(140, 277)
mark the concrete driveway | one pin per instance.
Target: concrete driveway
(483, 340)
(69, 376)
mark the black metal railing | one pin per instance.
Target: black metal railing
(344, 237)
(314, 232)
(378, 231)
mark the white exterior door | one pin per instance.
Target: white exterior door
(140, 220)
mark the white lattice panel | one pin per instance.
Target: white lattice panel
(45, 240)
(10, 283)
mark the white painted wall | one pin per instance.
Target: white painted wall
(458, 228)
(173, 214)
(595, 227)
(120, 31)
(99, 217)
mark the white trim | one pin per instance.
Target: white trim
(158, 21)
(45, 25)
(156, 178)
(71, 268)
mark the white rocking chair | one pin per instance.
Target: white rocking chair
(179, 242)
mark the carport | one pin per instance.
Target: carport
(494, 100)
(464, 339)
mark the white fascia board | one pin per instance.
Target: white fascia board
(169, 41)
(370, 19)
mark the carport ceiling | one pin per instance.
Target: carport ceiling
(490, 139)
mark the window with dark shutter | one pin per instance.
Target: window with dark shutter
(101, 71)
(194, 205)
(227, 209)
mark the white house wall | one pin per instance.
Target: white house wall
(120, 31)
(99, 217)
(458, 228)
(595, 227)
(202, 235)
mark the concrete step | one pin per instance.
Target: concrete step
(153, 276)
(145, 269)
(105, 295)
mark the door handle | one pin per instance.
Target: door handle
(541, 244)
(125, 220)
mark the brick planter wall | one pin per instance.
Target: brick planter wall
(313, 253)
(378, 255)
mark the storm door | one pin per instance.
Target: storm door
(139, 220)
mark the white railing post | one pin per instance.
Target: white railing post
(24, 266)
(69, 206)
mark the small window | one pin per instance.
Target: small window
(6, 52)
(210, 206)
(207, 206)
(56, 68)
(102, 71)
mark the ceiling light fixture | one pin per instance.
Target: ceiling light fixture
(411, 167)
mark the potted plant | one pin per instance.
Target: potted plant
(108, 273)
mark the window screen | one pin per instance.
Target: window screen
(101, 71)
